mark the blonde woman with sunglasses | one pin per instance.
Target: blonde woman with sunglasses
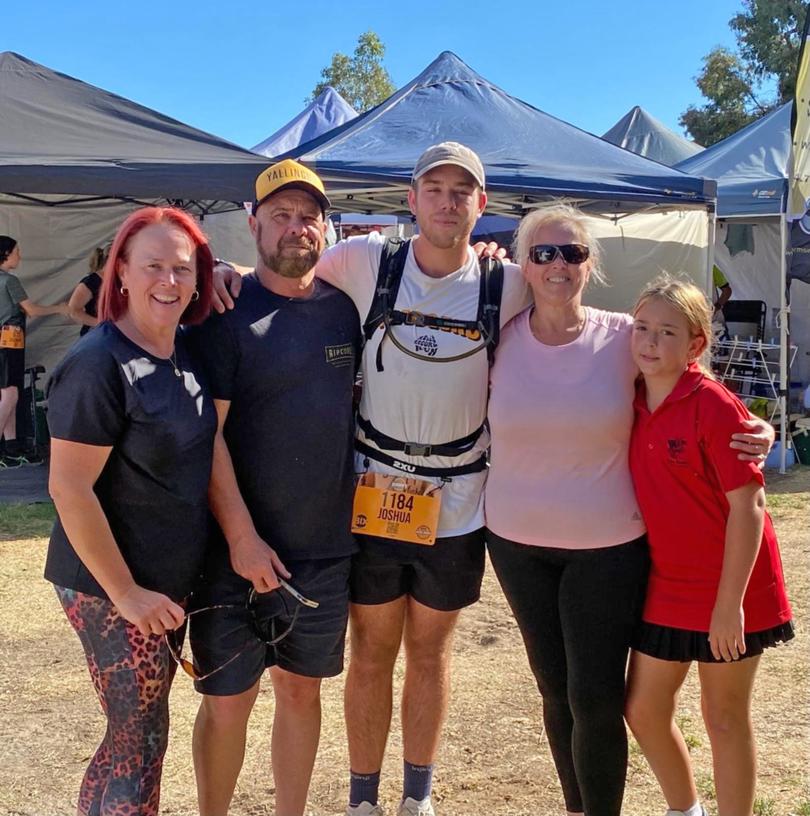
(565, 534)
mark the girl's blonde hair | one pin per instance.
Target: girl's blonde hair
(563, 215)
(687, 299)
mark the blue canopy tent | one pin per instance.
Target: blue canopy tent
(751, 170)
(323, 114)
(641, 133)
(750, 167)
(529, 156)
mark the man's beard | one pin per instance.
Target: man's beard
(288, 267)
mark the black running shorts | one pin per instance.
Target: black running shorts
(446, 576)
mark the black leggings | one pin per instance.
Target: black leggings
(577, 610)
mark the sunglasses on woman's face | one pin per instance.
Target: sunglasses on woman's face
(571, 253)
(286, 601)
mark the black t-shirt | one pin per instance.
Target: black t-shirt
(287, 366)
(153, 488)
(93, 283)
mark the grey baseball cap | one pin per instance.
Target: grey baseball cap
(450, 153)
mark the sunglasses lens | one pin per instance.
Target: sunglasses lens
(575, 253)
(571, 253)
(189, 669)
(542, 253)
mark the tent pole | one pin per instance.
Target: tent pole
(709, 282)
(784, 339)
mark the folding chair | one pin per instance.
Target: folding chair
(745, 318)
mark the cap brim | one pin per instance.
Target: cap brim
(297, 185)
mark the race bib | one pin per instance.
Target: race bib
(12, 337)
(396, 507)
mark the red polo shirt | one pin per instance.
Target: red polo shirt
(682, 467)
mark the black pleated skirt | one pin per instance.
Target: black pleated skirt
(683, 645)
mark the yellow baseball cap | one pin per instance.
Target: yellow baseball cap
(286, 174)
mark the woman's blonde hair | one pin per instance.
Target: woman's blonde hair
(685, 298)
(563, 215)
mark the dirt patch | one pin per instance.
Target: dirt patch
(494, 759)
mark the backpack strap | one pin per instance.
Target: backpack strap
(489, 303)
(389, 276)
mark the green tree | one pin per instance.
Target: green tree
(360, 79)
(742, 87)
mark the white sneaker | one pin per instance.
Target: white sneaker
(410, 807)
(681, 813)
(365, 809)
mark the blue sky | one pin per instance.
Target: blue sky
(241, 71)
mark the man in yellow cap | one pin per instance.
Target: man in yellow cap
(281, 365)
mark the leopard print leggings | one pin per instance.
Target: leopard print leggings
(132, 675)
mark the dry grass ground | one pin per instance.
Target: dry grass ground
(495, 758)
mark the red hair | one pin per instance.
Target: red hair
(113, 305)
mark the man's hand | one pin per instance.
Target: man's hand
(152, 612)
(490, 250)
(227, 285)
(255, 560)
(756, 445)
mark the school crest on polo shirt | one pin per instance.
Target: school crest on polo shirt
(677, 451)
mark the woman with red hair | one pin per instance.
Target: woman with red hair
(132, 433)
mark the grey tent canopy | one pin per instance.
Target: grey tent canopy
(641, 133)
(64, 141)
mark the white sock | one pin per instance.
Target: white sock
(695, 810)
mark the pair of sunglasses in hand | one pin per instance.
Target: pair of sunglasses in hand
(257, 605)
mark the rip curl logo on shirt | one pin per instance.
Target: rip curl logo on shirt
(426, 344)
(339, 356)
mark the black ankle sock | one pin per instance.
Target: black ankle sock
(417, 782)
(363, 788)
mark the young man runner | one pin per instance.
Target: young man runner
(403, 591)
(282, 367)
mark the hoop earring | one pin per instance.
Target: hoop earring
(124, 291)
(195, 295)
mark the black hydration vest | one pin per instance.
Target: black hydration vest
(383, 314)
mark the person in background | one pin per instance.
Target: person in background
(716, 593)
(83, 303)
(722, 289)
(132, 438)
(15, 306)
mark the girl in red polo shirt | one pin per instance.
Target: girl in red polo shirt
(716, 592)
